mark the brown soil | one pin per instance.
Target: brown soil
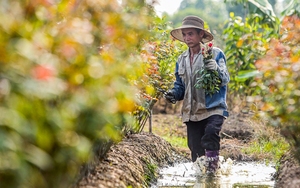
(288, 174)
(134, 161)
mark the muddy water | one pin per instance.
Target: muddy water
(231, 175)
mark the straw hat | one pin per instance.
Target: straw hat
(192, 22)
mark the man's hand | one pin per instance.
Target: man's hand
(170, 97)
(210, 64)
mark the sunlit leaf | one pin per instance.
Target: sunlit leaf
(246, 74)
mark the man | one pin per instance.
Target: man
(203, 114)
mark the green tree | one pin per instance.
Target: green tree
(236, 7)
(239, 7)
(192, 4)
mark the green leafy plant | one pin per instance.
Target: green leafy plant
(245, 43)
(151, 172)
(247, 39)
(209, 80)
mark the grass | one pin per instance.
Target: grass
(150, 173)
(267, 149)
(171, 129)
(176, 141)
(267, 143)
(238, 185)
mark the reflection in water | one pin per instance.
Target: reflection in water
(241, 175)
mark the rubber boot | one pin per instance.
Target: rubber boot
(213, 161)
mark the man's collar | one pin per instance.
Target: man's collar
(187, 52)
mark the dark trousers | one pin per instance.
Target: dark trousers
(204, 135)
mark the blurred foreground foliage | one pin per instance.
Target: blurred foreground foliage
(72, 73)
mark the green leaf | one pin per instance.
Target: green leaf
(292, 8)
(263, 8)
(243, 75)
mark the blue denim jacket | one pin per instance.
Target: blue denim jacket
(196, 104)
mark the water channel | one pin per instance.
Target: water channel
(231, 175)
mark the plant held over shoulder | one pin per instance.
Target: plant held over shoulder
(209, 79)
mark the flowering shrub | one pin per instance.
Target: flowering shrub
(209, 79)
(159, 56)
(280, 81)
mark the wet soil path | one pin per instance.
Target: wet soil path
(135, 162)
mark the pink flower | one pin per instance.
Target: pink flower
(42, 73)
(207, 51)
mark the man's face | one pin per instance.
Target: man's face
(191, 37)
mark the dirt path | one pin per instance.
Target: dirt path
(134, 161)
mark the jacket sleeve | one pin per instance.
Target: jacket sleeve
(222, 68)
(179, 88)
